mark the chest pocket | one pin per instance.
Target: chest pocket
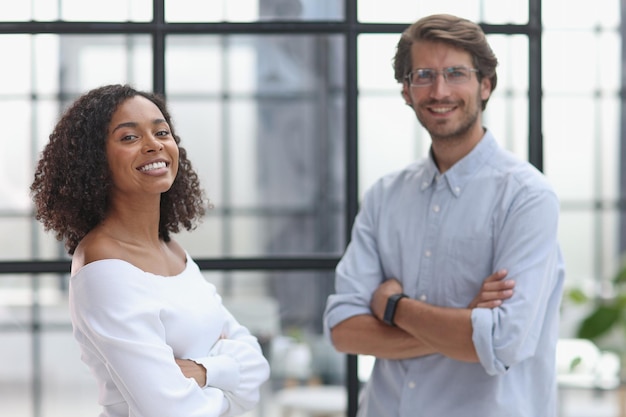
(469, 262)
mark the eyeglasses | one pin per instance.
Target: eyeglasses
(423, 77)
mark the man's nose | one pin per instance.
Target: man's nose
(439, 87)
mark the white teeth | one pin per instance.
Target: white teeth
(441, 110)
(154, 165)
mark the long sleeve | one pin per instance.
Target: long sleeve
(236, 366)
(527, 246)
(359, 272)
(131, 327)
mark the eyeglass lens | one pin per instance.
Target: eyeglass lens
(452, 75)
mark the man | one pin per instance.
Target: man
(426, 236)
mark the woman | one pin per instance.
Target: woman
(114, 184)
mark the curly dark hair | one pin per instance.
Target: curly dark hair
(72, 178)
(452, 30)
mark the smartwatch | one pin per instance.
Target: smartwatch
(392, 305)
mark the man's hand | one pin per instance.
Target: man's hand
(193, 370)
(494, 291)
(381, 295)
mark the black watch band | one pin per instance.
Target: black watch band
(392, 305)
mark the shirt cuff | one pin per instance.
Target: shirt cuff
(222, 372)
(482, 336)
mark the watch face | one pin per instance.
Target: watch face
(390, 309)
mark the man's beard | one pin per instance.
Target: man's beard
(447, 133)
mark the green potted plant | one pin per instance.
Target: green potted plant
(605, 324)
(608, 314)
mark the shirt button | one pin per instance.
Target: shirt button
(457, 189)
(428, 253)
(411, 384)
(436, 208)
(423, 297)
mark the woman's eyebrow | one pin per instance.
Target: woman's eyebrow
(134, 124)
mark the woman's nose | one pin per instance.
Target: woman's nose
(152, 144)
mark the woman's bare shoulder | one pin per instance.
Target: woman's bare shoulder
(95, 246)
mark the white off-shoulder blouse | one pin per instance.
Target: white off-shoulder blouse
(131, 326)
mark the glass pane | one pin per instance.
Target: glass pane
(507, 117)
(252, 10)
(45, 65)
(13, 11)
(390, 137)
(607, 136)
(195, 64)
(499, 12)
(507, 111)
(407, 11)
(563, 71)
(262, 120)
(15, 238)
(15, 373)
(69, 389)
(512, 54)
(90, 61)
(77, 10)
(34, 64)
(571, 156)
(558, 14)
(15, 167)
(589, 239)
(16, 78)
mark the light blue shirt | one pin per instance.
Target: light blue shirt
(441, 236)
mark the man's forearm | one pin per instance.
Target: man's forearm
(447, 330)
(366, 335)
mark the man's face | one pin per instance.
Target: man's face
(445, 109)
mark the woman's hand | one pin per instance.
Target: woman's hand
(494, 291)
(193, 370)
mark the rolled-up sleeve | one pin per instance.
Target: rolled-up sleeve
(527, 247)
(359, 272)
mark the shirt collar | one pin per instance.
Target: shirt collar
(460, 173)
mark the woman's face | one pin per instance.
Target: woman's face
(141, 150)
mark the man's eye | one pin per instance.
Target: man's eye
(456, 73)
(163, 133)
(424, 75)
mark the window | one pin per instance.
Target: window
(289, 111)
